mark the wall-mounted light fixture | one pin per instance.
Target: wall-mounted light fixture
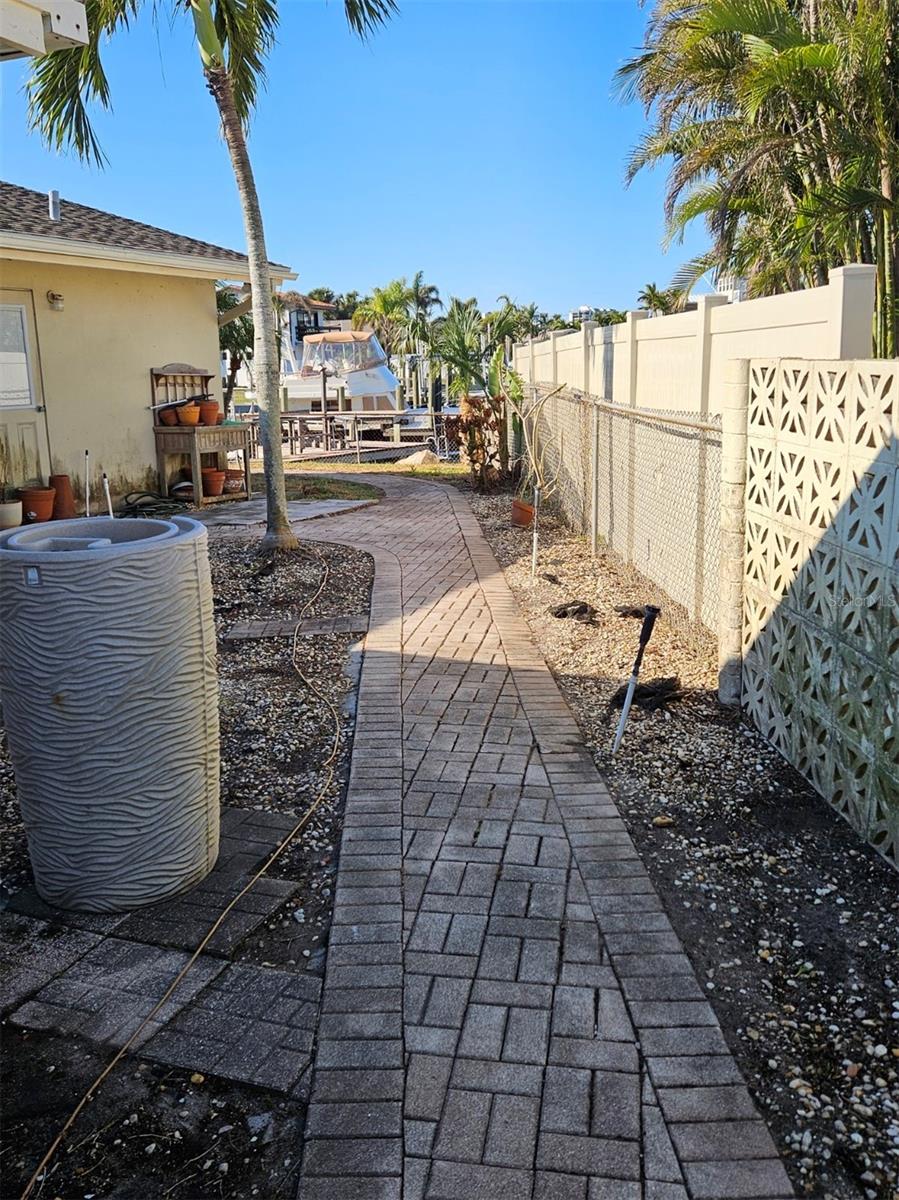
(56, 300)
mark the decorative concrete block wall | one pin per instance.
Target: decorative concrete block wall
(821, 580)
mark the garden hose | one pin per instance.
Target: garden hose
(328, 766)
(149, 504)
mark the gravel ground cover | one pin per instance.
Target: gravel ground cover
(791, 921)
(155, 1131)
(276, 734)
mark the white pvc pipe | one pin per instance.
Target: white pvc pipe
(87, 483)
(107, 495)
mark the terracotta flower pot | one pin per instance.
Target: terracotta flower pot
(168, 416)
(234, 480)
(37, 503)
(220, 419)
(188, 414)
(10, 514)
(213, 482)
(522, 513)
(64, 504)
(209, 411)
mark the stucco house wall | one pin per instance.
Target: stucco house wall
(95, 357)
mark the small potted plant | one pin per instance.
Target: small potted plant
(10, 508)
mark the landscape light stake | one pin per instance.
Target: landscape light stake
(106, 494)
(534, 523)
(650, 613)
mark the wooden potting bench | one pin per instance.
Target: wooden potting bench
(173, 384)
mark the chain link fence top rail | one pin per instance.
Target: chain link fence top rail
(647, 485)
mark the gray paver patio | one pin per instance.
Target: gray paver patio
(554, 1041)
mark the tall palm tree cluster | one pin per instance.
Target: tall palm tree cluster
(458, 343)
(780, 121)
(399, 313)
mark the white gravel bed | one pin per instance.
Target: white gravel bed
(791, 920)
(276, 731)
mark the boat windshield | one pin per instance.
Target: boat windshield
(340, 354)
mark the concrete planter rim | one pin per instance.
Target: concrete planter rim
(23, 544)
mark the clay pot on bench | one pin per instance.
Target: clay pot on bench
(213, 481)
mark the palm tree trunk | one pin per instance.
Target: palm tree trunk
(890, 348)
(278, 534)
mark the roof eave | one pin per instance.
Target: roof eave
(117, 258)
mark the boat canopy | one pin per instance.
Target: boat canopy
(341, 353)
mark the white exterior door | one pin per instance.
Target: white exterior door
(24, 441)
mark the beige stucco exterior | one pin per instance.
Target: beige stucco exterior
(94, 359)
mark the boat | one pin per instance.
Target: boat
(348, 368)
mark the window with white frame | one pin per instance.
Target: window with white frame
(16, 389)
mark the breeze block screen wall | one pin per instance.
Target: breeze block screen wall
(821, 585)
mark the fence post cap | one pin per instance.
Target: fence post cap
(854, 270)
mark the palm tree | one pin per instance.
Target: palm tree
(655, 299)
(458, 342)
(528, 322)
(780, 119)
(424, 298)
(385, 311)
(233, 37)
(235, 339)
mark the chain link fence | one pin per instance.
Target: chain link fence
(364, 437)
(646, 484)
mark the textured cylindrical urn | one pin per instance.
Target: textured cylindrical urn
(110, 702)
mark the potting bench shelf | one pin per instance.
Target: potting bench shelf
(196, 441)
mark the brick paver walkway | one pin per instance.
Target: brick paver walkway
(507, 1011)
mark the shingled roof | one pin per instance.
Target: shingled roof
(25, 212)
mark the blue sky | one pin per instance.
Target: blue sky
(478, 140)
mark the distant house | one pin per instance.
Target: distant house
(302, 315)
(90, 303)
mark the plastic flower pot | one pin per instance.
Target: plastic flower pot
(64, 503)
(189, 414)
(522, 513)
(37, 503)
(209, 411)
(10, 514)
(213, 482)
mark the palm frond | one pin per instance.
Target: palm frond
(246, 29)
(365, 17)
(64, 83)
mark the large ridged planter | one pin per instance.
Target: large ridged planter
(110, 701)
